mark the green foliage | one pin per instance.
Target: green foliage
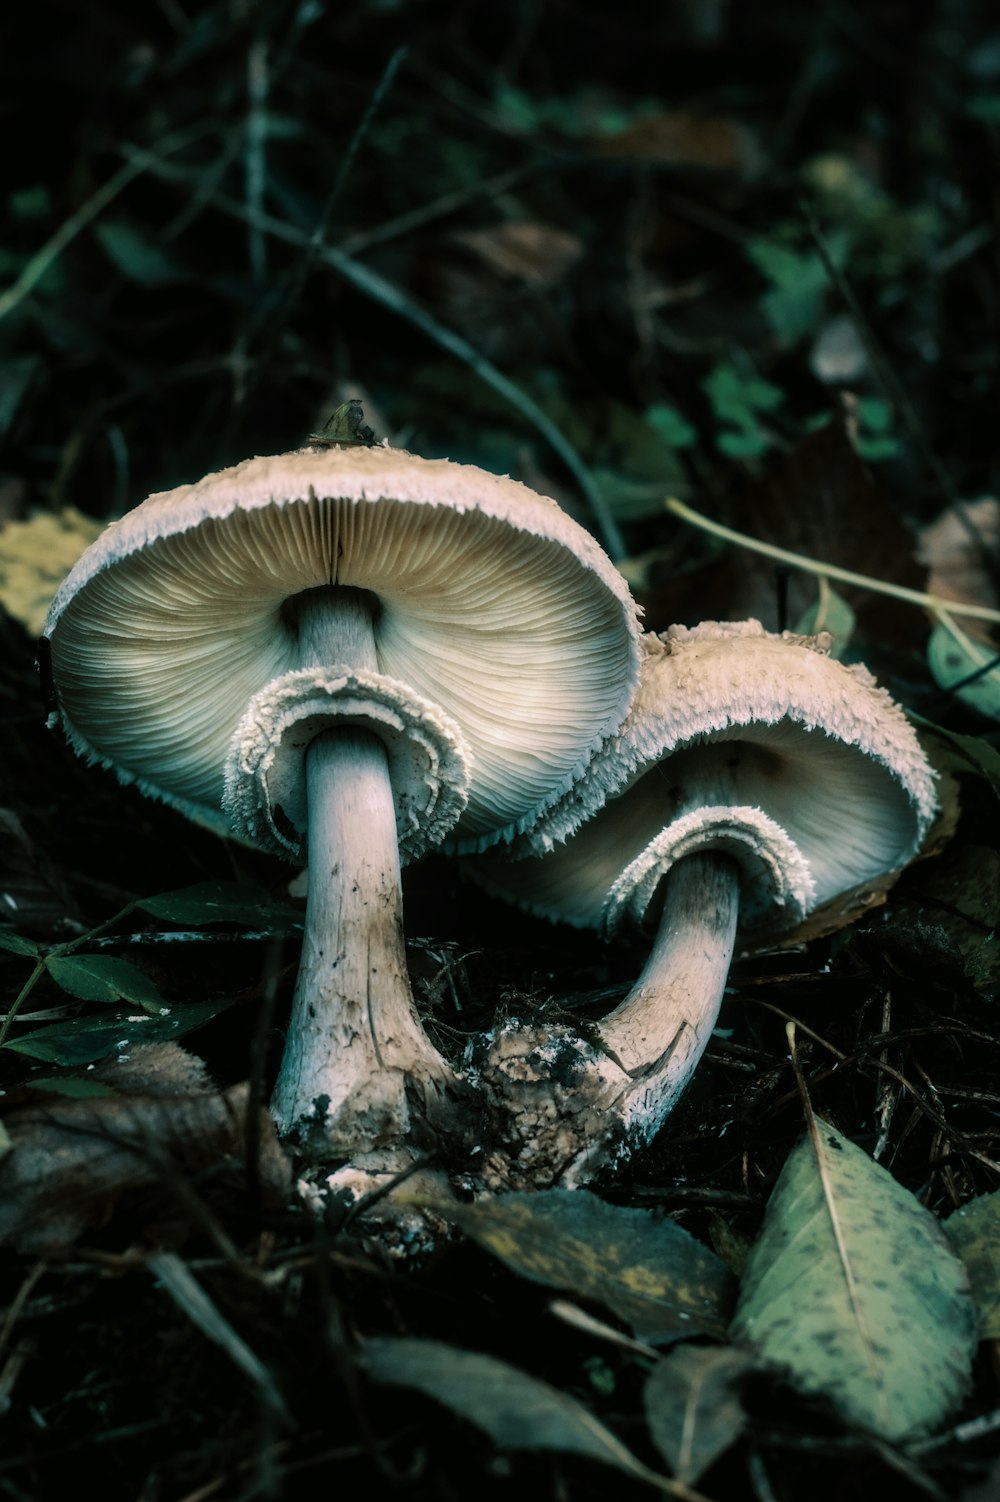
(738, 400)
(832, 613)
(99, 977)
(875, 439)
(966, 666)
(84, 1040)
(853, 1287)
(799, 284)
(670, 425)
(210, 902)
(16, 943)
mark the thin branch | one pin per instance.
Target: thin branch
(939, 607)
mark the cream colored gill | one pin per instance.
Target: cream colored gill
(158, 655)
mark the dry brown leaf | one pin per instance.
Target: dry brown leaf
(523, 250)
(961, 550)
(681, 138)
(35, 557)
(72, 1162)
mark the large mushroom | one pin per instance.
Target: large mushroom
(347, 653)
(756, 781)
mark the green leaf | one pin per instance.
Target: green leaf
(670, 425)
(692, 1406)
(737, 399)
(832, 613)
(645, 1268)
(71, 1086)
(799, 285)
(516, 1410)
(974, 1232)
(222, 902)
(854, 1288)
(99, 977)
(16, 943)
(87, 1039)
(952, 659)
(136, 257)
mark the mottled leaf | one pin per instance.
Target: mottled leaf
(854, 1288)
(974, 1232)
(643, 1267)
(99, 977)
(221, 902)
(959, 660)
(693, 1407)
(516, 1410)
(88, 1038)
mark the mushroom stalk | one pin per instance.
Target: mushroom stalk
(357, 1067)
(569, 1106)
(661, 1029)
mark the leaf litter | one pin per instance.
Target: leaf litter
(549, 265)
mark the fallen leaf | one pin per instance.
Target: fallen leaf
(645, 1268)
(72, 1161)
(854, 1288)
(35, 557)
(681, 138)
(961, 550)
(966, 667)
(516, 1410)
(974, 1232)
(949, 915)
(693, 1407)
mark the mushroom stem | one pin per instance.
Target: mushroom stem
(668, 1016)
(568, 1107)
(358, 1071)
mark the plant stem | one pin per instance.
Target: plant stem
(940, 608)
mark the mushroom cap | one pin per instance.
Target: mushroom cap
(743, 741)
(491, 603)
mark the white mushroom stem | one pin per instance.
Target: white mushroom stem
(568, 1107)
(358, 1071)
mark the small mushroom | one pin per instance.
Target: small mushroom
(756, 781)
(347, 653)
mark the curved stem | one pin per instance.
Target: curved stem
(938, 606)
(568, 1108)
(358, 1071)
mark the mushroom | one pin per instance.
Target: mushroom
(347, 654)
(756, 781)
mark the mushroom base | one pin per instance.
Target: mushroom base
(566, 1106)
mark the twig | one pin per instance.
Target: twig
(939, 607)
